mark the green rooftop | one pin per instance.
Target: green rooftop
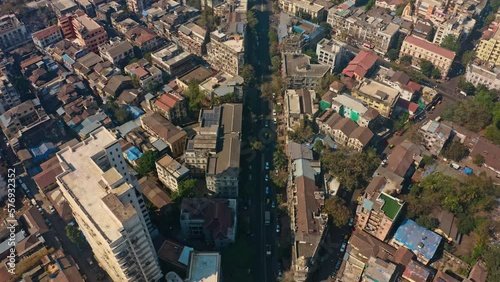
(391, 206)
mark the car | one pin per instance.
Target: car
(52, 209)
(346, 236)
(267, 177)
(280, 273)
(273, 204)
(268, 250)
(89, 260)
(400, 132)
(351, 221)
(275, 121)
(267, 165)
(278, 228)
(391, 146)
(49, 224)
(40, 209)
(337, 266)
(20, 180)
(342, 248)
(267, 123)
(268, 201)
(267, 191)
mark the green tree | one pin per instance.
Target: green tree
(252, 19)
(466, 86)
(186, 189)
(248, 74)
(369, 5)
(266, 91)
(276, 63)
(393, 54)
(135, 81)
(122, 115)
(196, 98)
(279, 158)
(455, 151)
(399, 9)
(492, 259)
(478, 160)
(426, 67)
(467, 56)
(301, 132)
(405, 60)
(312, 54)
(325, 81)
(450, 42)
(436, 73)
(466, 224)
(74, 235)
(146, 163)
(337, 211)
(428, 222)
(318, 146)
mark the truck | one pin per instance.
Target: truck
(267, 218)
(455, 166)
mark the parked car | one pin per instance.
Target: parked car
(351, 221)
(278, 228)
(268, 250)
(342, 248)
(52, 209)
(267, 177)
(267, 165)
(273, 204)
(267, 191)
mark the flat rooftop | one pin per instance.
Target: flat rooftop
(83, 179)
(204, 267)
(88, 23)
(235, 45)
(380, 91)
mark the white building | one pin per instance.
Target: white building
(100, 190)
(9, 97)
(171, 172)
(485, 74)
(12, 32)
(204, 266)
(331, 52)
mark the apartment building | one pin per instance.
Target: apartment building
(160, 127)
(489, 47)
(63, 7)
(389, 4)
(299, 104)
(435, 135)
(332, 53)
(144, 39)
(295, 34)
(117, 53)
(377, 95)
(223, 168)
(9, 97)
(317, 9)
(135, 6)
(361, 66)
(459, 27)
(486, 74)
(377, 212)
(47, 36)
(173, 60)
(20, 117)
(346, 132)
(226, 52)
(12, 32)
(419, 49)
(172, 106)
(192, 38)
(146, 73)
(213, 220)
(204, 266)
(87, 32)
(171, 172)
(101, 192)
(222, 84)
(298, 72)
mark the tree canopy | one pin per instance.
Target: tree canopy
(146, 163)
(279, 158)
(450, 42)
(302, 132)
(428, 69)
(455, 151)
(337, 211)
(196, 98)
(248, 74)
(186, 189)
(74, 235)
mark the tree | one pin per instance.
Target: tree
(279, 158)
(312, 54)
(135, 81)
(266, 91)
(369, 5)
(436, 73)
(450, 42)
(466, 224)
(399, 9)
(427, 222)
(492, 259)
(302, 132)
(393, 54)
(467, 57)
(186, 189)
(337, 211)
(196, 98)
(426, 67)
(276, 63)
(455, 151)
(252, 19)
(325, 81)
(466, 86)
(74, 235)
(248, 74)
(318, 146)
(405, 60)
(122, 115)
(478, 160)
(146, 163)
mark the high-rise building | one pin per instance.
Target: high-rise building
(88, 33)
(110, 212)
(226, 53)
(9, 97)
(12, 32)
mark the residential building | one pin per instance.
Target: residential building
(9, 97)
(487, 74)
(420, 49)
(213, 220)
(299, 104)
(337, 15)
(101, 192)
(389, 4)
(125, 25)
(361, 65)
(204, 266)
(47, 36)
(448, 226)
(380, 270)
(377, 95)
(416, 272)
(308, 221)
(135, 6)
(295, 34)
(298, 72)
(316, 9)
(173, 60)
(158, 126)
(377, 212)
(88, 33)
(192, 38)
(346, 132)
(22, 117)
(421, 241)
(348, 107)
(12, 32)
(148, 75)
(116, 53)
(226, 52)
(171, 172)
(435, 135)
(64, 7)
(222, 84)
(172, 106)
(459, 27)
(332, 53)
(489, 46)
(478, 273)
(114, 86)
(143, 38)
(197, 74)
(489, 151)
(170, 18)
(223, 168)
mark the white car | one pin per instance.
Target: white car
(52, 209)
(342, 248)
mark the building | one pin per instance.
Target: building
(421, 241)
(143, 38)
(489, 151)
(173, 60)
(192, 38)
(172, 106)
(298, 72)
(213, 220)
(435, 135)
(448, 226)
(389, 4)
(380, 270)
(160, 127)
(135, 6)
(316, 9)
(47, 36)
(348, 107)
(486, 74)
(12, 32)
(222, 84)
(223, 168)
(116, 53)
(171, 172)
(88, 33)
(361, 65)
(416, 272)
(9, 97)
(377, 95)
(226, 52)
(295, 34)
(299, 105)
(478, 273)
(377, 212)
(21, 118)
(420, 49)
(147, 74)
(204, 266)
(100, 190)
(490, 44)
(64, 7)
(459, 27)
(332, 53)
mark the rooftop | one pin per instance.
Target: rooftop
(150, 189)
(204, 266)
(431, 47)
(379, 91)
(46, 32)
(351, 102)
(88, 23)
(361, 64)
(391, 206)
(172, 166)
(163, 127)
(300, 65)
(420, 240)
(379, 270)
(415, 271)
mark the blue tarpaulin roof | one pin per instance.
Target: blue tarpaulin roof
(417, 238)
(467, 170)
(133, 154)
